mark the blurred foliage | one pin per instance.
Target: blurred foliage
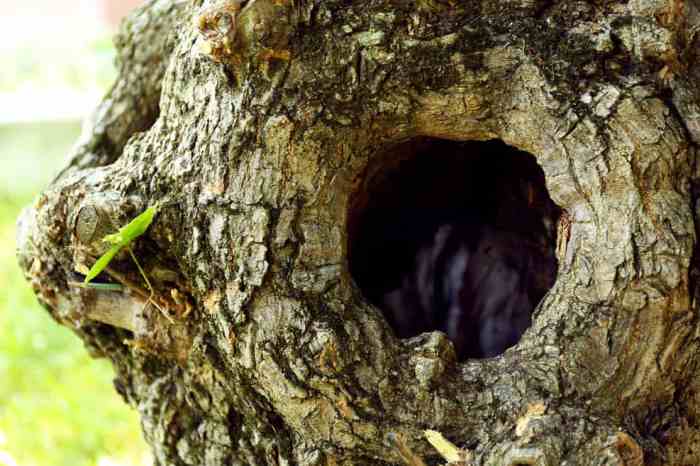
(57, 406)
(46, 65)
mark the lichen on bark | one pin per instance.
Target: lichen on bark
(282, 359)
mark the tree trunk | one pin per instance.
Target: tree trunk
(259, 127)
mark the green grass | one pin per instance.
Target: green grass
(57, 405)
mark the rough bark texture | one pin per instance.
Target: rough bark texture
(274, 356)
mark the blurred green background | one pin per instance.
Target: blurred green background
(57, 406)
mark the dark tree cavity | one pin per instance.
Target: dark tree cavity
(340, 179)
(456, 237)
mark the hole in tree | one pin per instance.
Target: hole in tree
(455, 236)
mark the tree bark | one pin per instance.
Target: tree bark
(256, 138)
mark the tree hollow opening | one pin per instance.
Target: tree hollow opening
(457, 237)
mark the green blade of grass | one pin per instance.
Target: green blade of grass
(99, 286)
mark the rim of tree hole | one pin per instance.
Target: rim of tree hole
(457, 237)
